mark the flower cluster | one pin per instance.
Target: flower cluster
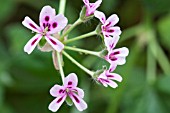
(50, 37)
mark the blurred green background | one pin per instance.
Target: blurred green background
(25, 80)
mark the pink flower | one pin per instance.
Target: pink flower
(108, 26)
(106, 78)
(50, 23)
(91, 7)
(115, 56)
(69, 89)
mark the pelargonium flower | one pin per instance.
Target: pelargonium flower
(106, 78)
(108, 26)
(115, 56)
(91, 7)
(50, 23)
(69, 89)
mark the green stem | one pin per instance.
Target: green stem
(81, 37)
(82, 50)
(60, 66)
(62, 5)
(79, 21)
(78, 64)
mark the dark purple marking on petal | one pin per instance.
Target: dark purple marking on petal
(32, 26)
(69, 87)
(70, 83)
(105, 80)
(115, 53)
(111, 46)
(110, 76)
(77, 100)
(54, 25)
(33, 42)
(59, 100)
(53, 41)
(60, 91)
(112, 57)
(108, 24)
(44, 25)
(110, 31)
(47, 18)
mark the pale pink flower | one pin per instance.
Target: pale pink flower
(91, 7)
(69, 89)
(106, 78)
(115, 56)
(108, 26)
(50, 23)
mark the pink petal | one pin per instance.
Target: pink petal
(112, 67)
(80, 92)
(112, 84)
(56, 103)
(112, 20)
(103, 75)
(110, 42)
(57, 91)
(47, 14)
(27, 22)
(56, 44)
(114, 76)
(101, 16)
(122, 51)
(71, 81)
(119, 61)
(78, 102)
(58, 23)
(31, 44)
(86, 2)
(112, 31)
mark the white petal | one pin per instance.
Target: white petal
(58, 23)
(112, 67)
(31, 44)
(56, 44)
(80, 92)
(112, 84)
(71, 80)
(122, 51)
(101, 16)
(110, 42)
(78, 102)
(86, 2)
(57, 91)
(103, 75)
(112, 31)
(112, 20)
(27, 22)
(47, 13)
(56, 103)
(114, 76)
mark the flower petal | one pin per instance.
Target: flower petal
(112, 20)
(121, 51)
(112, 67)
(71, 80)
(80, 92)
(58, 23)
(86, 2)
(56, 44)
(47, 14)
(27, 22)
(110, 42)
(101, 16)
(112, 84)
(56, 103)
(31, 44)
(57, 91)
(111, 31)
(114, 76)
(78, 102)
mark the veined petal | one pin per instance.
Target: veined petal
(56, 44)
(114, 76)
(101, 16)
(71, 80)
(92, 7)
(57, 91)
(47, 14)
(122, 51)
(27, 22)
(113, 31)
(58, 23)
(31, 44)
(112, 84)
(56, 103)
(110, 42)
(112, 67)
(119, 60)
(80, 92)
(78, 102)
(112, 20)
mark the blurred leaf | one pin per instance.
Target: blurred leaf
(6, 79)
(163, 84)
(163, 28)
